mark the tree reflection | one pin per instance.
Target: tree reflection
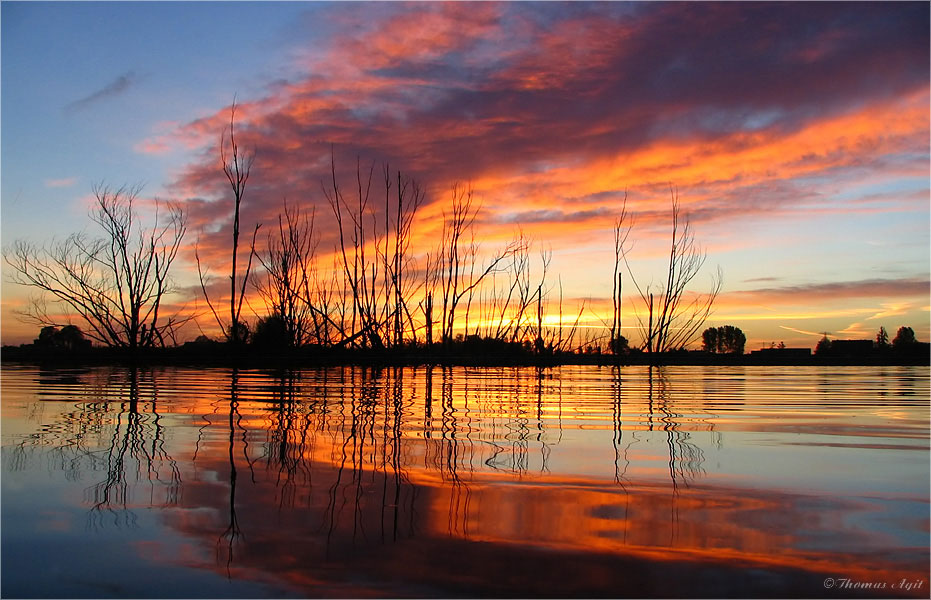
(620, 450)
(450, 445)
(393, 440)
(368, 458)
(233, 532)
(512, 420)
(339, 446)
(136, 451)
(316, 476)
(545, 448)
(684, 458)
(116, 430)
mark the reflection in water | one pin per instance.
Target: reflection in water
(117, 432)
(312, 476)
(233, 531)
(136, 449)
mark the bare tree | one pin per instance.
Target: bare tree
(455, 260)
(675, 316)
(374, 261)
(288, 260)
(115, 283)
(430, 281)
(409, 198)
(359, 275)
(622, 227)
(505, 307)
(556, 339)
(237, 166)
(517, 312)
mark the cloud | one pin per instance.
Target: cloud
(816, 292)
(894, 309)
(858, 330)
(114, 88)
(553, 112)
(60, 183)
(555, 216)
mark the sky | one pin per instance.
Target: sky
(796, 136)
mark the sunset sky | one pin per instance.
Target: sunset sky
(796, 134)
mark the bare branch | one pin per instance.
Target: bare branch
(116, 283)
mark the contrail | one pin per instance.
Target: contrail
(801, 331)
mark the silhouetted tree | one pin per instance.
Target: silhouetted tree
(240, 331)
(46, 337)
(72, 338)
(288, 260)
(709, 339)
(619, 345)
(69, 337)
(673, 318)
(506, 308)
(237, 166)
(272, 332)
(456, 262)
(397, 287)
(882, 338)
(622, 228)
(115, 283)
(724, 340)
(359, 274)
(823, 346)
(904, 337)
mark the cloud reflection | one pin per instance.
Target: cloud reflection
(427, 479)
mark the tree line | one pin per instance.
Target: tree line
(904, 340)
(372, 291)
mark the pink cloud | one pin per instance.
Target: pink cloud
(61, 183)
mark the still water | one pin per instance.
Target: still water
(442, 482)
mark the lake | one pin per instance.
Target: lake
(573, 481)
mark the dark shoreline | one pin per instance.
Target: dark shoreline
(219, 355)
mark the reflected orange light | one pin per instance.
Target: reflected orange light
(364, 466)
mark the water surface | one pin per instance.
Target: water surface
(569, 481)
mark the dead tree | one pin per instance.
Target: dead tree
(454, 260)
(116, 283)
(675, 316)
(237, 166)
(373, 252)
(289, 262)
(504, 311)
(400, 208)
(622, 228)
(517, 312)
(430, 281)
(561, 342)
(359, 275)
(409, 198)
